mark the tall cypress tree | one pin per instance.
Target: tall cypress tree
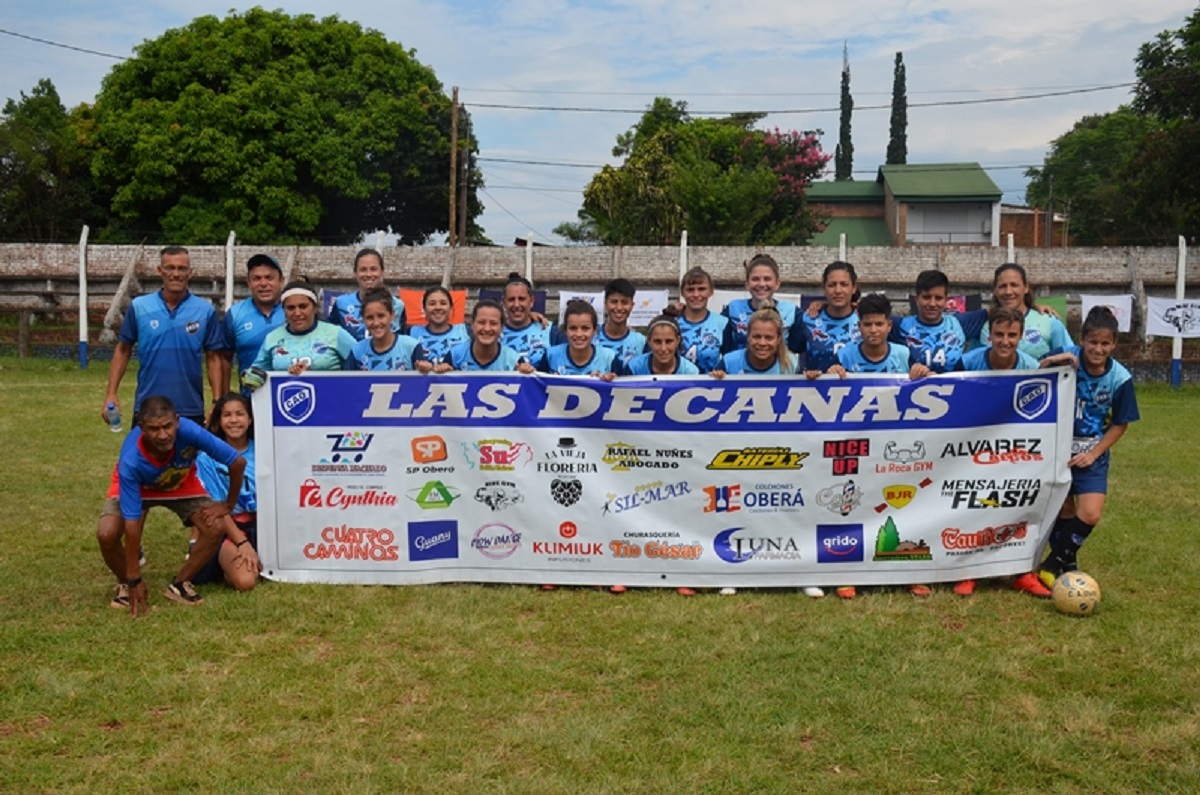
(843, 155)
(897, 151)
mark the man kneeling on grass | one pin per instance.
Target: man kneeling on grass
(157, 467)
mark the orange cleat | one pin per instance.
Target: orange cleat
(1030, 584)
(846, 592)
(920, 591)
(964, 587)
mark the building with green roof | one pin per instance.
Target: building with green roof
(911, 204)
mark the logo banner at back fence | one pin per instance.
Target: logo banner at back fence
(744, 482)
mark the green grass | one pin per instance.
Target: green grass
(476, 689)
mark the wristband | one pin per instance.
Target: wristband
(238, 545)
(134, 582)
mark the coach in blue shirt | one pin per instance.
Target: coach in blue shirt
(171, 329)
(248, 322)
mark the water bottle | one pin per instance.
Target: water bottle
(113, 415)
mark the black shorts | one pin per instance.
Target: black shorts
(212, 569)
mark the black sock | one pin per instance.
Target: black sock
(1074, 533)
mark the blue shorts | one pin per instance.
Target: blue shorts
(1091, 480)
(212, 570)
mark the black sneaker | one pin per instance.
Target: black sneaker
(121, 600)
(184, 593)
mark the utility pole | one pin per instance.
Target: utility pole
(452, 226)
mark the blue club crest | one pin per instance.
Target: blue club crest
(296, 400)
(1032, 397)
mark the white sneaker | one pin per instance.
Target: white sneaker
(814, 592)
(727, 591)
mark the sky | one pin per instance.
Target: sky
(615, 57)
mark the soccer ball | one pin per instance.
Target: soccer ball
(1076, 594)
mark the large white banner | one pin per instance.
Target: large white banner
(403, 478)
(1172, 317)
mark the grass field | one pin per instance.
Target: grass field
(473, 689)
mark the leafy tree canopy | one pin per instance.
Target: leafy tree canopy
(722, 180)
(1133, 176)
(45, 184)
(280, 128)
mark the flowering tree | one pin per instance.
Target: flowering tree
(722, 180)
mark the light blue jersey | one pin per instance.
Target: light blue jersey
(245, 327)
(462, 358)
(347, 313)
(398, 357)
(603, 360)
(532, 342)
(824, 336)
(977, 360)
(703, 342)
(627, 348)
(215, 477)
(1101, 400)
(323, 347)
(435, 347)
(854, 360)
(739, 311)
(736, 363)
(939, 347)
(640, 365)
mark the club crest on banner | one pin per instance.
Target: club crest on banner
(1032, 397)
(296, 400)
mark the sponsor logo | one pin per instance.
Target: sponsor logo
(571, 551)
(846, 453)
(566, 459)
(433, 495)
(758, 458)
(1010, 493)
(904, 458)
(433, 540)
(900, 495)
(760, 498)
(840, 498)
(623, 457)
(889, 546)
(723, 499)
(428, 449)
(995, 451)
(496, 541)
(192, 327)
(313, 496)
(839, 543)
(346, 455)
(296, 400)
(566, 491)
(958, 542)
(568, 530)
(354, 543)
(646, 494)
(499, 494)
(1032, 397)
(659, 550)
(497, 455)
(731, 547)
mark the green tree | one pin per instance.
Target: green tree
(722, 180)
(897, 150)
(46, 189)
(1085, 173)
(843, 155)
(280, 128)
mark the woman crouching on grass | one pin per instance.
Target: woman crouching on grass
(236, 559)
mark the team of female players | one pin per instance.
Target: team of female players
(759, 335)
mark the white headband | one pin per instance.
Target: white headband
(304, 291)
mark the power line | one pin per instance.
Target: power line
(790, 111)
(515, 218)
(539, 162)
(63, 46)
(662, 92)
